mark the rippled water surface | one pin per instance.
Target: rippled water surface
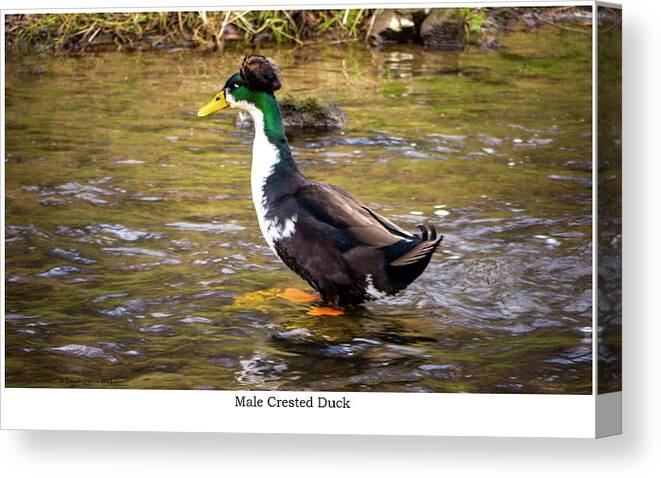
(133, 253)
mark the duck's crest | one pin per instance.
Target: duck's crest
(260, 74)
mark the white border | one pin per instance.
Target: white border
(457, 414)
(370, 413)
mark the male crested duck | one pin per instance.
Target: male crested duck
(343, 249)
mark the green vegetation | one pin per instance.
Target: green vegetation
(209, 30)
(301, 105)
(474, 20)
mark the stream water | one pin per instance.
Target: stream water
(134, 258)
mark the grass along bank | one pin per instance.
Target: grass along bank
(214, 30)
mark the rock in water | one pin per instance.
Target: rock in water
(443, 29)
(302, 114)
(393, 26)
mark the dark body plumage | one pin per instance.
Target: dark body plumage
(343, 249)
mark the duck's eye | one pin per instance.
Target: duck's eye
(236, 85)
(217, 98)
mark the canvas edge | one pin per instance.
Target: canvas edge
(608, 406)
(608, 414)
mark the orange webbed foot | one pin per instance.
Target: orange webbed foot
(296, 295)
(325, 311)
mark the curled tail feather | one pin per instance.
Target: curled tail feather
(429, 241)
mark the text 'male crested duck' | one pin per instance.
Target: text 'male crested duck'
(343, 249)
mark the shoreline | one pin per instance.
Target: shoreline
(211, 31)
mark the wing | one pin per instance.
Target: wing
(336, 208)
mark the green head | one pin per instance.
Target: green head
(249, 88)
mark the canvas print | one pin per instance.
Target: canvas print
(358, 200)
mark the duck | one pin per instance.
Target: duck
(344, 250)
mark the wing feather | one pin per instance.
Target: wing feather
(339, 209)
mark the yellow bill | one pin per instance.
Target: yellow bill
(216, 104)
